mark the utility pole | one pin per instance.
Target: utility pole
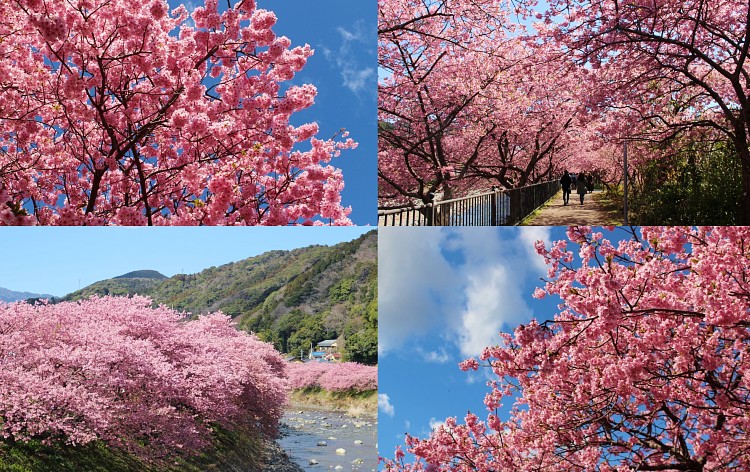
(625, 177)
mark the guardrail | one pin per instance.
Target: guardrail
(499, 208)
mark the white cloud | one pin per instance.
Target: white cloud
(414, 281)
(352, 58)
(435, 424)
(440, 356)
(493, 299)
(384, 404)
(350, 35)
(463, 285)
(357, 80)
(492, 281)
(528, 235)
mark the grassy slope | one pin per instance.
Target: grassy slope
(354, 404)
(230, 450)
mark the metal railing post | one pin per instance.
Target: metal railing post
(493, 209)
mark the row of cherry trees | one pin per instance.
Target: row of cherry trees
(143, 379)
(481, 93)
(121, 112)
(647, 366)
(335, 377)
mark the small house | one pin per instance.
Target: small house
(329, 346)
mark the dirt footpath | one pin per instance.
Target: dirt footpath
(591, 213)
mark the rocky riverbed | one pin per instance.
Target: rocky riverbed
(277, 460)
(321, 440)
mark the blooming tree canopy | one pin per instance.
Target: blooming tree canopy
(121, 112)
(554, 85)
(671, 64)
(333, 376)
(472, 100)
(143, 379)
(644, 368)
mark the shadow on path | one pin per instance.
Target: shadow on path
(591, 213)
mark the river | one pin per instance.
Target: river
(312, 438)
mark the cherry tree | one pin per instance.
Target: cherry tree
(644, 368)
(144, 379)
(335, 377)
(120, 112)
(534, 119)
(471, 101)
(665, 56)
(425, 102)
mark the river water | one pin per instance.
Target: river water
(312, 437)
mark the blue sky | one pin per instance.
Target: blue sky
(444, 294)
(55, 260)
(344, 37)
(343, 69)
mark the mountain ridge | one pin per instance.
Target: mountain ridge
(142, 274)
(289, 297)
(9, 296)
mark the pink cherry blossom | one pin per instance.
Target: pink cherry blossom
(644, 368)
(334, 377)
(133, 122)
(140, 378)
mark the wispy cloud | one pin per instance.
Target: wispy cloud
(440, 356)
(355, 58)
(435, 424)
(384, 404)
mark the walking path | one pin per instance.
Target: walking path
(591, 213)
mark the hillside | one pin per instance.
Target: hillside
(9, 296)
(142, 274)
(291, 298)
(139, 281)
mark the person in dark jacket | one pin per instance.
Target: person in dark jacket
(582, 186)
(590, 183)
(565, 182)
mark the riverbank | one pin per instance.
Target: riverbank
(355, 404)
(274, 459)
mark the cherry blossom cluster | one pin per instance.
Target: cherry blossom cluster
(644, 368)
(336, 377)
(144, 379)
(157, 121)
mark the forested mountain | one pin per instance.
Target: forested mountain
(139, 281)
(7, 295)
(292, 298)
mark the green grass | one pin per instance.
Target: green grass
(611, 202)
(530, 217)
(229, 450)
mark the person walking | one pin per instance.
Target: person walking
(581, 188)
(565, 182)
(590, 183)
